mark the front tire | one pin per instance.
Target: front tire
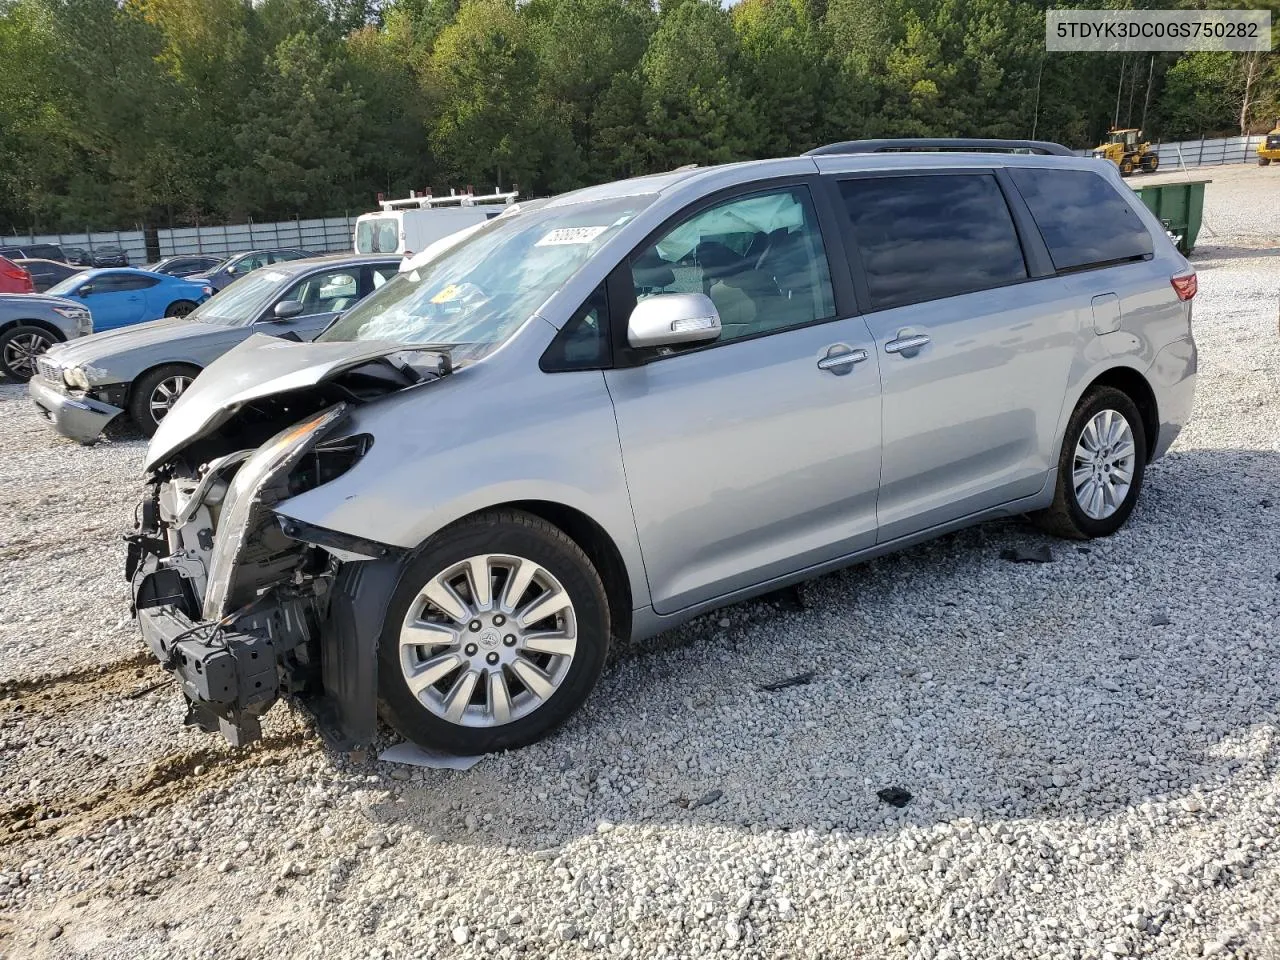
(497, 633)
(1100, 468)
(1126, 167)
(19, 347)
(1263, 161)
(155, 393)
(179, 308)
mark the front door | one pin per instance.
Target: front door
(323, 296)
(758, 455)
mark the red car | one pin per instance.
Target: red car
(14, 279)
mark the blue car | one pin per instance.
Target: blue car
(118, 297)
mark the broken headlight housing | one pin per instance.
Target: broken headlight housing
(259, 484)
(75, 378)
(327, 461)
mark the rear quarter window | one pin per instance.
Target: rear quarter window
(1083, 220)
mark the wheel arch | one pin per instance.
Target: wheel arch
(1134, 385)
(8, 325)
(594, 541)
(194, 301)
(151, 368)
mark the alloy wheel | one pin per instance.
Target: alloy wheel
(488, 640)
(166, 394)
(21, 351)
(1102, 472)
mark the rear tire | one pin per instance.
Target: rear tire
(155, 393)
(19, 347)
(482, 678)
(1263, 161)
(1150, 163)
(1100, 468)
(180, 308)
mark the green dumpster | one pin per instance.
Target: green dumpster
(1179, 205)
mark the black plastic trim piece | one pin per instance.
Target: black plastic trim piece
(323, 537)
(348, 712)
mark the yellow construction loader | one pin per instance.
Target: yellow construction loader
(1128, 151)
(1269, 149)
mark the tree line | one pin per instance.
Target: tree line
(175, 112)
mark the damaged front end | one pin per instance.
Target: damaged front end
(242, 604)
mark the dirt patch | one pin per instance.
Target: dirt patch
(167, 780)
(64, 691)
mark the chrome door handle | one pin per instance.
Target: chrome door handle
(838, 361)
(906, 345)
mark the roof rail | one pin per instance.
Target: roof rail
(942, 145)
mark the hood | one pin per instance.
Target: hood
(42, 299)
(259, 367)
(99, 347)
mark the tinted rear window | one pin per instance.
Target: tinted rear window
(1084, 222)
(928, 237)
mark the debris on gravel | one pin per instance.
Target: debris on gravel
(1092, 746)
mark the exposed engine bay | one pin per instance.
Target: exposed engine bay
(238, 601)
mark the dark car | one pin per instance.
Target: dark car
(45, 273)
(77, 256)
(110, 256)
(185, 265)
(237, 265)
(26, 251)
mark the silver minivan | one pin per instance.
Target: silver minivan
(604, 413)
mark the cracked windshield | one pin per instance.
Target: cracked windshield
(476, 293)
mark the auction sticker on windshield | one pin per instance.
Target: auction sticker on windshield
(567, 235)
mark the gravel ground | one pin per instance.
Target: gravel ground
(1090, 745)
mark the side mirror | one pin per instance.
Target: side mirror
(286, 309)
(670, 319)
(85, 289)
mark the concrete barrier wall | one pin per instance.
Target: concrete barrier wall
(319, 236)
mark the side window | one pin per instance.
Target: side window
(1083, 220)
(326, 292)
(759, 258)
(381, 274)
(583, 342)
(118, 282)
(928, 237)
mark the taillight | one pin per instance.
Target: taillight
(1185, 286)
(19, 276)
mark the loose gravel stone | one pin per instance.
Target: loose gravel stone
(1085, 781)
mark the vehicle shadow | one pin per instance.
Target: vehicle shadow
(1141, 666)
(1207, 255)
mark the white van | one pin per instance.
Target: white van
(407, 226)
